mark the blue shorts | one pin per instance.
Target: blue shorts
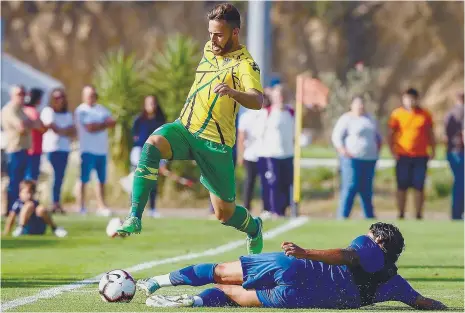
(35, 226)
(411, 172)
(90, 162)
(276, 279)
(33, 167)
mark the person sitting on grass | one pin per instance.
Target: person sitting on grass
(362, 274)
(33, 217)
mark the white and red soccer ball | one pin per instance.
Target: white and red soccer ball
(112, 226)
(117, 286)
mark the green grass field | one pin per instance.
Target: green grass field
(433, 260)
(320, 151)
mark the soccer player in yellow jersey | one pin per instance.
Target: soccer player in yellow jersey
(226, 78)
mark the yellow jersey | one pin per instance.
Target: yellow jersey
(207, 115)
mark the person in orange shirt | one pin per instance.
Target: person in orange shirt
(412, 143)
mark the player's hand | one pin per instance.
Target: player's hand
(291, 249)
(224, 90)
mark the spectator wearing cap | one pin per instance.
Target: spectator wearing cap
(412, 143)
(454, 127)
(358, 141)
(92, 123)
(17, 134)
(32, 102)
(276, 153)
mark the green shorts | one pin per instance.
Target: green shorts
(214, 159)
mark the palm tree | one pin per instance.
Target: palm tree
(118, 78)
(171, 73)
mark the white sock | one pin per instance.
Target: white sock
(197, 301)
(163, 280)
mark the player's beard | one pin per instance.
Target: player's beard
(225, 49)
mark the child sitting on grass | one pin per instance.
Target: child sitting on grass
(33, 217)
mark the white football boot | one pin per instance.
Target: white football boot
(158, 301)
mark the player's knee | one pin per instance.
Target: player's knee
(162, 144)
(28, 207)
(219, 272)
(41, 211)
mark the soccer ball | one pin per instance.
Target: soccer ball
(117, 286)
(112, 226)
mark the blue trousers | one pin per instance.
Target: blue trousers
(456, 163)
(357, 178)
(33, 167)
(276, 176)
(58, 160)
(17, 164)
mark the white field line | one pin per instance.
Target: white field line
(55, 291)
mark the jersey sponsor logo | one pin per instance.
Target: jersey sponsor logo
(255, 67)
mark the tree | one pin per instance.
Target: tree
(359, 81)
(118, 79)
(171, 73)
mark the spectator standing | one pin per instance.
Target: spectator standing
(276, 153)
(92, 122)
(410, 138)
(151, 118)
(17, 131)
(454, 128)
(357, 141)
(57, 140)
(32, 102)
(248, 144)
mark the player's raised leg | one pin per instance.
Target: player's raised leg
(195, 275)
(240, 218)
(156, 147)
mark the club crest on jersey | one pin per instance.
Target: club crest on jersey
(255, 67)
(226, 61)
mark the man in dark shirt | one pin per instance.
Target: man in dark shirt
(455, 154)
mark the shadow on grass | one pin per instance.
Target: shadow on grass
(36, 283)
(384, 308)
(18, 243)
(441, 279)
(433, 266)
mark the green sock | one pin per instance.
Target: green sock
(243, 221)
(145, 178)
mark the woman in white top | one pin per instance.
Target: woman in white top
(357, 140)
(57, 140)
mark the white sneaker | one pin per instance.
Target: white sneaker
(60, 232)
(159, 301)
(154, 214)
(17, 232)
(266, 215)
(103, 212)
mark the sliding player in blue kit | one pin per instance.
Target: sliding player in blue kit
(362, 274)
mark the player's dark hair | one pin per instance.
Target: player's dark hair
(391, 239)
(412, 92)
(226, 12)
(34, 95)
(29, 184)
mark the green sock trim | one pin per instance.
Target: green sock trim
(145, 178)
(243, 221)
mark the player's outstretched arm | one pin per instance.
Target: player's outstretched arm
(423, 303)
(328, 256)
(251, 99)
